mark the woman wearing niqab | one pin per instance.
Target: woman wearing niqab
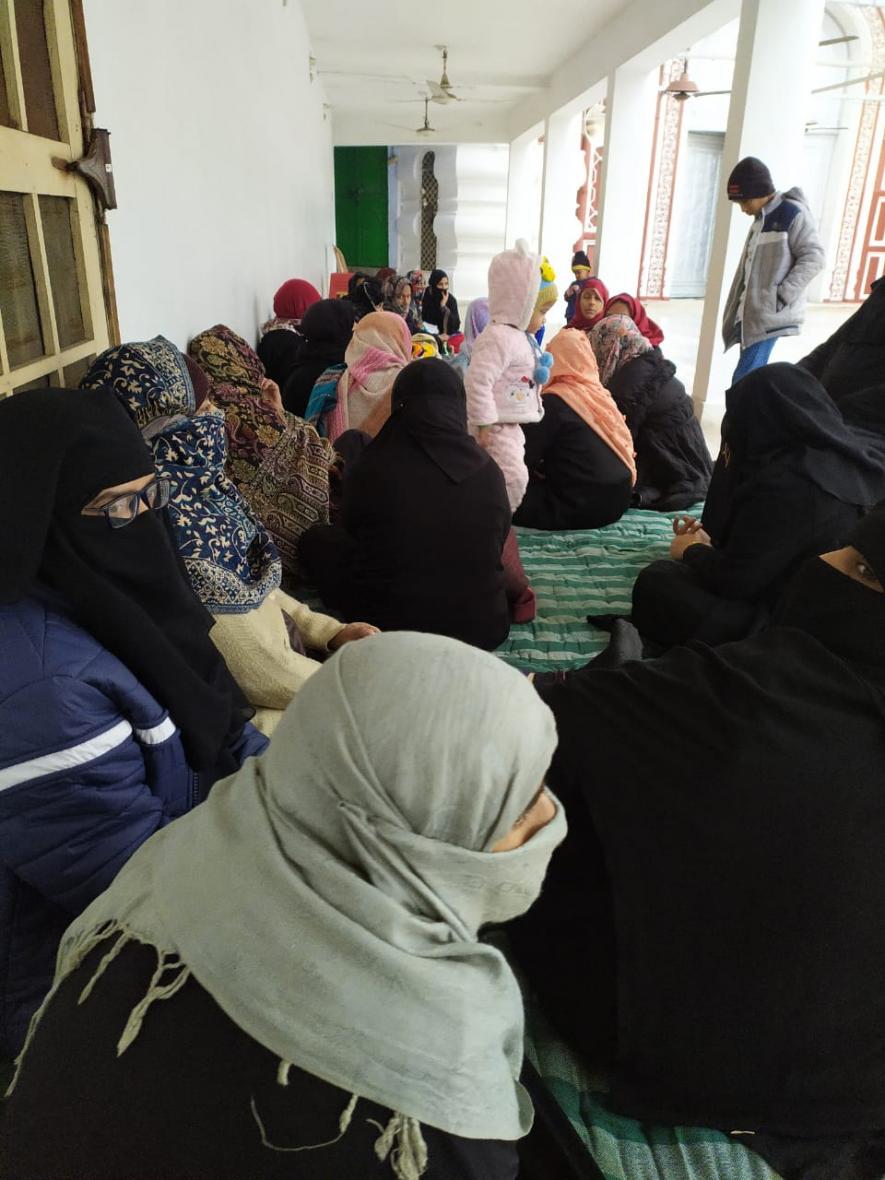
(791, 480)
(302, 935)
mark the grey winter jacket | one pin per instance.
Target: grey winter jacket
(788, 255)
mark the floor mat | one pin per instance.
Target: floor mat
(622, 1148)
(575, 574)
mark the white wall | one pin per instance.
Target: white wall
(222, 159)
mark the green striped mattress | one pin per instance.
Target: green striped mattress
(622, 1148)
(576, 574)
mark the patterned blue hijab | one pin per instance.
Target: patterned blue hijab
(232, 563)
(151, 380)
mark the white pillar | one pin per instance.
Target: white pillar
(770, 94)
(564, 172)
(470, 219)
(626, 162)
(524, 188)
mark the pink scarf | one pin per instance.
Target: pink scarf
(379, 348)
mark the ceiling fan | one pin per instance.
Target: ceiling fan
(424, 129)
(682, 88)
(849, 82)
(442, 91)
(814, 128)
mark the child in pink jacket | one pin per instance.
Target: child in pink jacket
(503, 380)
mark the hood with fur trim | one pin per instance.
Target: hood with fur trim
(514, 279)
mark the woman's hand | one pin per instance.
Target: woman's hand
(682, 541)
(444, 298)
(685, 524)
(483, 434)
(270, 395)
(350, 632)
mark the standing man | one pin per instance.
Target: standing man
(782, 255)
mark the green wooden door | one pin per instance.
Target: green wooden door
(361, 205)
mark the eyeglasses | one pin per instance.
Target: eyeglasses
(122, 510)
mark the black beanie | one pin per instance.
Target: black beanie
(749, 178)
(581, 259)
(868, 538)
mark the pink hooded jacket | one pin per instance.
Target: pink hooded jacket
(500, 379)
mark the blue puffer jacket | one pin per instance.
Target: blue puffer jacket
(90, 767)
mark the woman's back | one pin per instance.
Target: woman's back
(428, 551)
(203, 1072)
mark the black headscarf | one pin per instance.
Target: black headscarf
(126, 587)
(847, 617)
(367, 297)
(429, 407)
(446, 317)
(781, 416)
(327, 327)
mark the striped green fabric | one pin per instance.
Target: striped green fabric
(622, 1148)
(576, 574)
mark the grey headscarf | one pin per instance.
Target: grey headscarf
(329, 894)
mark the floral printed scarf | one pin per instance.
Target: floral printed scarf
(279, 463)
(615, 341)
(229, 556)
(151, 380)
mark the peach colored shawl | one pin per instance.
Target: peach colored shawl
(379, 348)
(575, 378)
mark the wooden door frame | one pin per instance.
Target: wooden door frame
(86, 93)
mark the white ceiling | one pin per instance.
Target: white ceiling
(373, 56)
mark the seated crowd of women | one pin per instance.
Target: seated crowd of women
(150, 521)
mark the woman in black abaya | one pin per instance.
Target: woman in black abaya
(327, 327)
(791, 480)
(440, 307)
(424, 518)
(117, 713)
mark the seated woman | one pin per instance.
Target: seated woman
(673, 465)
(423, 522)
(714, 916)
(279, 463)
(580, 455)
(440, 307)
(419, 286)
(581, 269)
(228, 555)
(117, 714)
(630, 306)
(327, 328)
(590, 301)
(401, 302)
(380, 346)
(854, 356)
(476, 319)
(791, 480)
(313, 932)
(365, 295)
(281, 337)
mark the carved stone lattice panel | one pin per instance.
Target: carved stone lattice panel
(868, 138)
(666, 154)
(587, 200)
(429, 209)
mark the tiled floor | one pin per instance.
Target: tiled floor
(680, 320)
